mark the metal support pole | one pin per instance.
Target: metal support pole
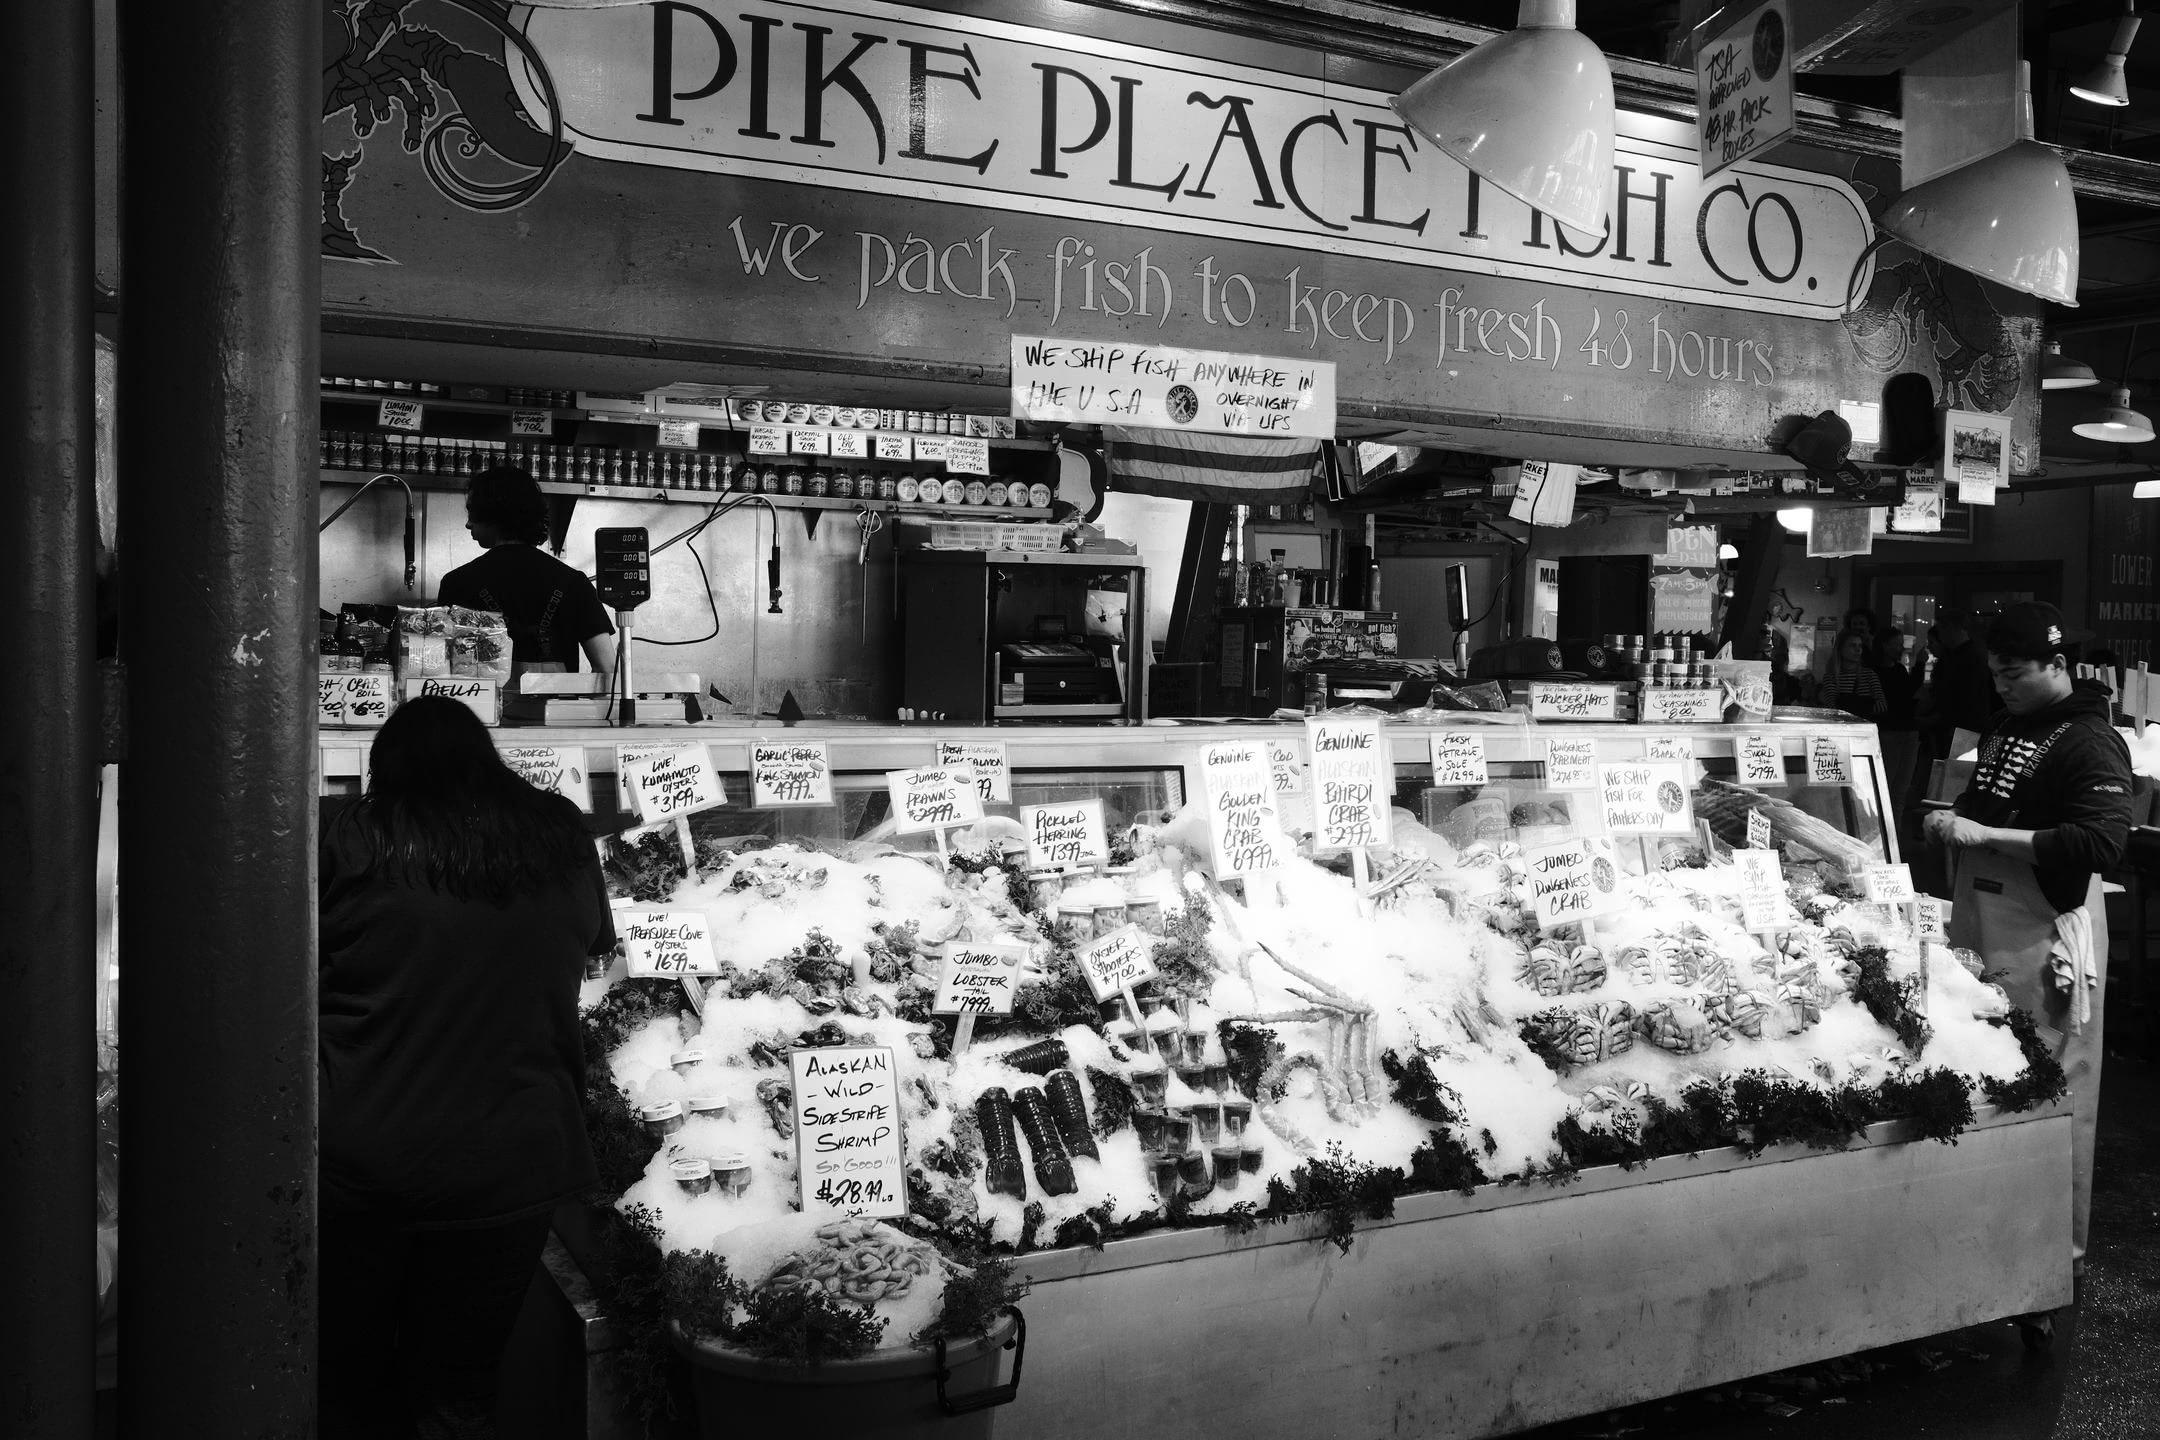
(48, 734)
(1760, 550)
(1193, 607)
(220, 308)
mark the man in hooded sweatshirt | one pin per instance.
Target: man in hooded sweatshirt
(2048, 809)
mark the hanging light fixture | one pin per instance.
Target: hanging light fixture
(2104, 83)
(1800, 519)
(1728, 551)
(2115, 422)
(2064, 372)
(2010, 217)
(1530, 111)
(2145, 490)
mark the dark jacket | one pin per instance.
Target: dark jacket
(2063, 773)
(1964, 692)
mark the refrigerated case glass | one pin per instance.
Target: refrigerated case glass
(862, 806)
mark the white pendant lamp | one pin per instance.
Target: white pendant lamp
(1801, 519)
(2145, 490)
(2115, 422)
(2104, 83)
(2010, 217)
(2064, 372)
(1530, 112)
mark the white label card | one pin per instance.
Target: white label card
(367, 699)
(979, 978)
(330, 699)
(1293, 790)
(1759, 760)
(1758, 830)
(1669, 747)
(1829, 761)
(932, 447)
(1889, 884)
(808, 442)
(894, 447)
(679, 434)
(993, 775)
(1762, 889)
(1241, 811)
(531, 422)
(789, 773)
(1664, 706)
(666, 943)
(1976, 492)
(850, 445)
(1118, 961)
(1067, 836)
(399, 414)
(967, 457)
(1570, 764)
(1560, 700)
(1458, 759)
(673, 782)
(557, 769)
(1934, 918)
(768, 440)
(932, 799)
(848, 1150)
(1353, 783)
(1575, 880)
(1645, 797)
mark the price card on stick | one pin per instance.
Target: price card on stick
(558, 769)
(1759, 760)
(1241, 810)
(1934, 918)
(848, 1150)
(785, 774)
(932, 800)
(676, 781)
(399, 415)
(1353, 786)
(1762, 889)
(1645, 797)
(1889, 884)
(666, 943)
(1571, 764)
(1118, 961)
(979, 978)
(1669, 747)
(1571, 881)
(1458, 759)
(1829, 761)
(1065, 837)
(1293, 792)
(1758, 830)
(993, 775)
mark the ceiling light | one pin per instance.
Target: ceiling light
(2115, 422)
(2104, 83)
(2064, 372)
(2010, 217)
(1530, 111)
(2145, 490)
(1728, 551)
(1800, 519)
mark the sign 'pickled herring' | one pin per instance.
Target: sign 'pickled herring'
(1645, 797)
(1118, 961)
(786, 773)
(1241, 809)
(993, 775)
(980, 977)
(674, 781)
(848, 1152)
(1575, 880)
(1353, 784)
(932, 799)
(557, 769)
(1064, 837)
(666, 943)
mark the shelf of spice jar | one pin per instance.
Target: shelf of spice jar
(557, 403)
(674, 495)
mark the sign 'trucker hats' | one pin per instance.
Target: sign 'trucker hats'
(2032, 631)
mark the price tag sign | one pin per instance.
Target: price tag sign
(1888, 884)
(1762, 889)
(1576, 880)
(932, 447)
(808, 442)
(672, 782)
(993, 776)
(330, 699)
(1353, 784)
(1759, 759)
(666, 943)
(894, 447)
(557, 769)
(1064, 837)
(1934, 918)
(1758, 830)
(1560, 700)
(531, 422)
(1293, 791)
(1118, 961)
(932, 799)
(850, 445)
(1458, 759)
(478, 696)
(367, 699)
(399, 414)
(679, 434)
(979, 978)
(785, 774)
(1669, 747)
(967, 457)
(1570, 764)
(1829, 761)
(1663, 706)
(848, 1150)
(1241, 810)
(1647, 797)
(768, 440)
(1970, 492)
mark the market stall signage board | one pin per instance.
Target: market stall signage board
(1829, 761)
(1645, 797)
(1889, 884)
(1241, 810)
(676, 781)
(785, 774)
(1353, 781)
(1293, 789)
(1575, 880)
(666, 944)
(1669, 747)
(987, 760)
(933, 799)
(557, 769)
(848, 1151)
(979, 977)
(1759, 760)
(1573, 700)
(1067, 836)
(1664, 706)
(1458, 759)
(1744, 86)
(1118, 962)
(1570, 764)
(1762, 889)
(482, 697)
(1166, 388)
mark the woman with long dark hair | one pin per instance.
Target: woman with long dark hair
(458, 908)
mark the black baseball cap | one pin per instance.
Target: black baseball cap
(2032, 631)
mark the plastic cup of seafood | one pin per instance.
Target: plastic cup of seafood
(1218, 1079)
(1166, 1045)
(1076, 922)
(709, 1107)
(1177, 1131)
(1249, 1158)
(1195, 1175)
(1236, 1115)
(1195, 1043)
(662, 1119)
(1128, 1034)
(1149, 1125)
(694, 1175)
(1047, 886)
(1152, 1084)
(682, 1062)
(1110, 918)
(1147, 914)
(1207, 1119)
(1166, 1175)
(1150, 1002)
(1227, 1159)
(732, 1170)
(1192, 1077)
(1124, 875)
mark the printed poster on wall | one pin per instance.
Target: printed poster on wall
(1976, 452)
(1164, 388)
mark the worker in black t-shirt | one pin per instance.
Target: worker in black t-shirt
(551, 609)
